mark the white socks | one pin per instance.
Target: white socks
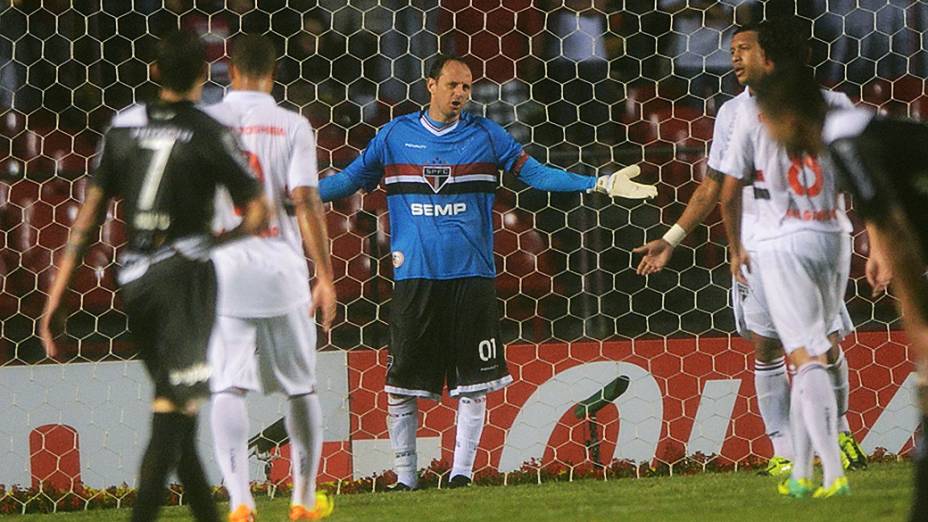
(803, 457)
(773, 399)
(818, 418)
(471, 413)
(229, 422)
(402, 422)
(838, 371)
(229, 419)
(304, 426)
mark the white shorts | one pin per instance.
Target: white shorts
(805, 276)
(749, 305)
(266, 354)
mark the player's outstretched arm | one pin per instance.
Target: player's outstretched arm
(311, 220)
(620, 185)
(337, 186)
(363, 173)
(657, 253)
(731, 217)
(85, 225)
(511, 158)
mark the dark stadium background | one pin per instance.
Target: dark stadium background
(566, 272)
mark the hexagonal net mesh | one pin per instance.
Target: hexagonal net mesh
(587, 85)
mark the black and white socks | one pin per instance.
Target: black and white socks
(472, 411)
(402, 422)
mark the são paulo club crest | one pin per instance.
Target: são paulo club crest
(436, 175)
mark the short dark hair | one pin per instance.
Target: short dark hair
(793, 90)
(438, 63)
(783, 40)
(746, 28)
(254, 55)
(181, 59)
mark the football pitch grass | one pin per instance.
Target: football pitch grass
(880, 493)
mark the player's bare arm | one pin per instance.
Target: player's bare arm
(657, 253)
(254, 220)
(731, 217)
(86, 224)
(879, 269)
(311, 219)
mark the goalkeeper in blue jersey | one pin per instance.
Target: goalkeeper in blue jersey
(440, 168)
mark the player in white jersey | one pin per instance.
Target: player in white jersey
(802, 250)
(756, 50)
(265, 336)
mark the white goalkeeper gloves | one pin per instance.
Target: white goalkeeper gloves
(619, 185)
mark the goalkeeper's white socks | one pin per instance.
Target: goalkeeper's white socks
(819, 415)
(304, 426)
(773, 400)
(402, 422)
(839, 377)
(471, 413)
(229, 420)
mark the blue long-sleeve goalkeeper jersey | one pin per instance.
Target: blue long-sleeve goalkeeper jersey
(440, 184)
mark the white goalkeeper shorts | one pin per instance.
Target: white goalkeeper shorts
(749, 305)
(804, 277)
(266, 354)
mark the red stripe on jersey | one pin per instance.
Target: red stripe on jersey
(411, 169)
(262, 129)
(517, 166)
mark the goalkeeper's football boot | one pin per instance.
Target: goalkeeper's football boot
(243, 513)
(459, 481)
(796, 488)
(778, 467)
(324, 507)
(854, 454)
(398, 486)
(838, 488)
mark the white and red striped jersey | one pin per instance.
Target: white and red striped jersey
(790, 193)
(266, 276)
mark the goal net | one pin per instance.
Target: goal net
(610, 368)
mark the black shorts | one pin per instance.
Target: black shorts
(171, 310)
(445, 331)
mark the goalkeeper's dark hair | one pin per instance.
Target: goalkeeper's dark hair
(792, 90)
(784, 40)
(438, 63)
(254, 55)
(181, 59)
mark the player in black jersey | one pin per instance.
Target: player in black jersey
(164, 161)
(883, 163)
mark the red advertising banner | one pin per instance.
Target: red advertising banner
(683, 396)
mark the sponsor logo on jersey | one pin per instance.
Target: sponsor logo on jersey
(436, 175)
(414, 145)
(398, 259)
(429, 209)
(828, 214)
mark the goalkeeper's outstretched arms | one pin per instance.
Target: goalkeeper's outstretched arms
(657, 253)
(510, 157)
(363, 173)
(616, 185)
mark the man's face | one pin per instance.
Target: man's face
(748, 59)
(451, 91)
